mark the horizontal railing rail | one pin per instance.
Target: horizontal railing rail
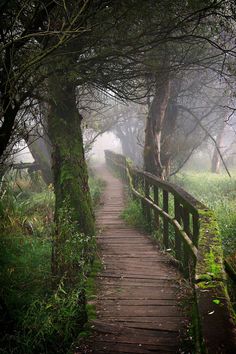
(189, 230)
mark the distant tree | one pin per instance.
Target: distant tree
(197, 44)
(40, 149)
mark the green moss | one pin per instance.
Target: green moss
(214, 268)
(69, 166)
(210, 256)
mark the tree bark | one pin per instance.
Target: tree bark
(68, 163)
(154, 127)
(6, 128)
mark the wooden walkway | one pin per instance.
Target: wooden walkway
(138, 305)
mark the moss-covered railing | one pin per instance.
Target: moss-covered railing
(187, 229)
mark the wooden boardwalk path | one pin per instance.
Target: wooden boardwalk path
(138, 305)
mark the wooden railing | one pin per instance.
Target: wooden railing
(187, 229)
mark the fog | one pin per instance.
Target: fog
(106, 141)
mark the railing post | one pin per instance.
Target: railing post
(177, 238)
(165, 221)
(195, 229)
(147, 208)
(185, 248)
(125, 172)
(142, 187)
(156, 201)
(134, 179)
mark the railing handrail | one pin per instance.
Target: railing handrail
(202, 247)
(174, 222)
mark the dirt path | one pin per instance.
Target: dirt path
(138, 306)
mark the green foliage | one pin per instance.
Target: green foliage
(218, 192)
(96, 187)
(40, 312)
(133, 215)
(74, 251)
(51, 324)
(25, 266)
(23, 209)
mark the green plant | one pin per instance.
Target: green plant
(133, 215)
(96, 186)
(51, 324)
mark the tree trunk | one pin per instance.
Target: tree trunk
(168, 142)
(68, 164)
(216, 160)
(6, 129)
(154, 127)
(127, 142)
(41, 151)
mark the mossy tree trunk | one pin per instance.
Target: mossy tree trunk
(68, 166)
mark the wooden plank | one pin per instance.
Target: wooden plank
(141, 302)
(104, 327)
(105, 347)
(159, 340)
(140, 311)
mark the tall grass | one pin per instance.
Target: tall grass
(39, 314)
(218, 192)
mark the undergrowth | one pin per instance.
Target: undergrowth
(40, 313)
